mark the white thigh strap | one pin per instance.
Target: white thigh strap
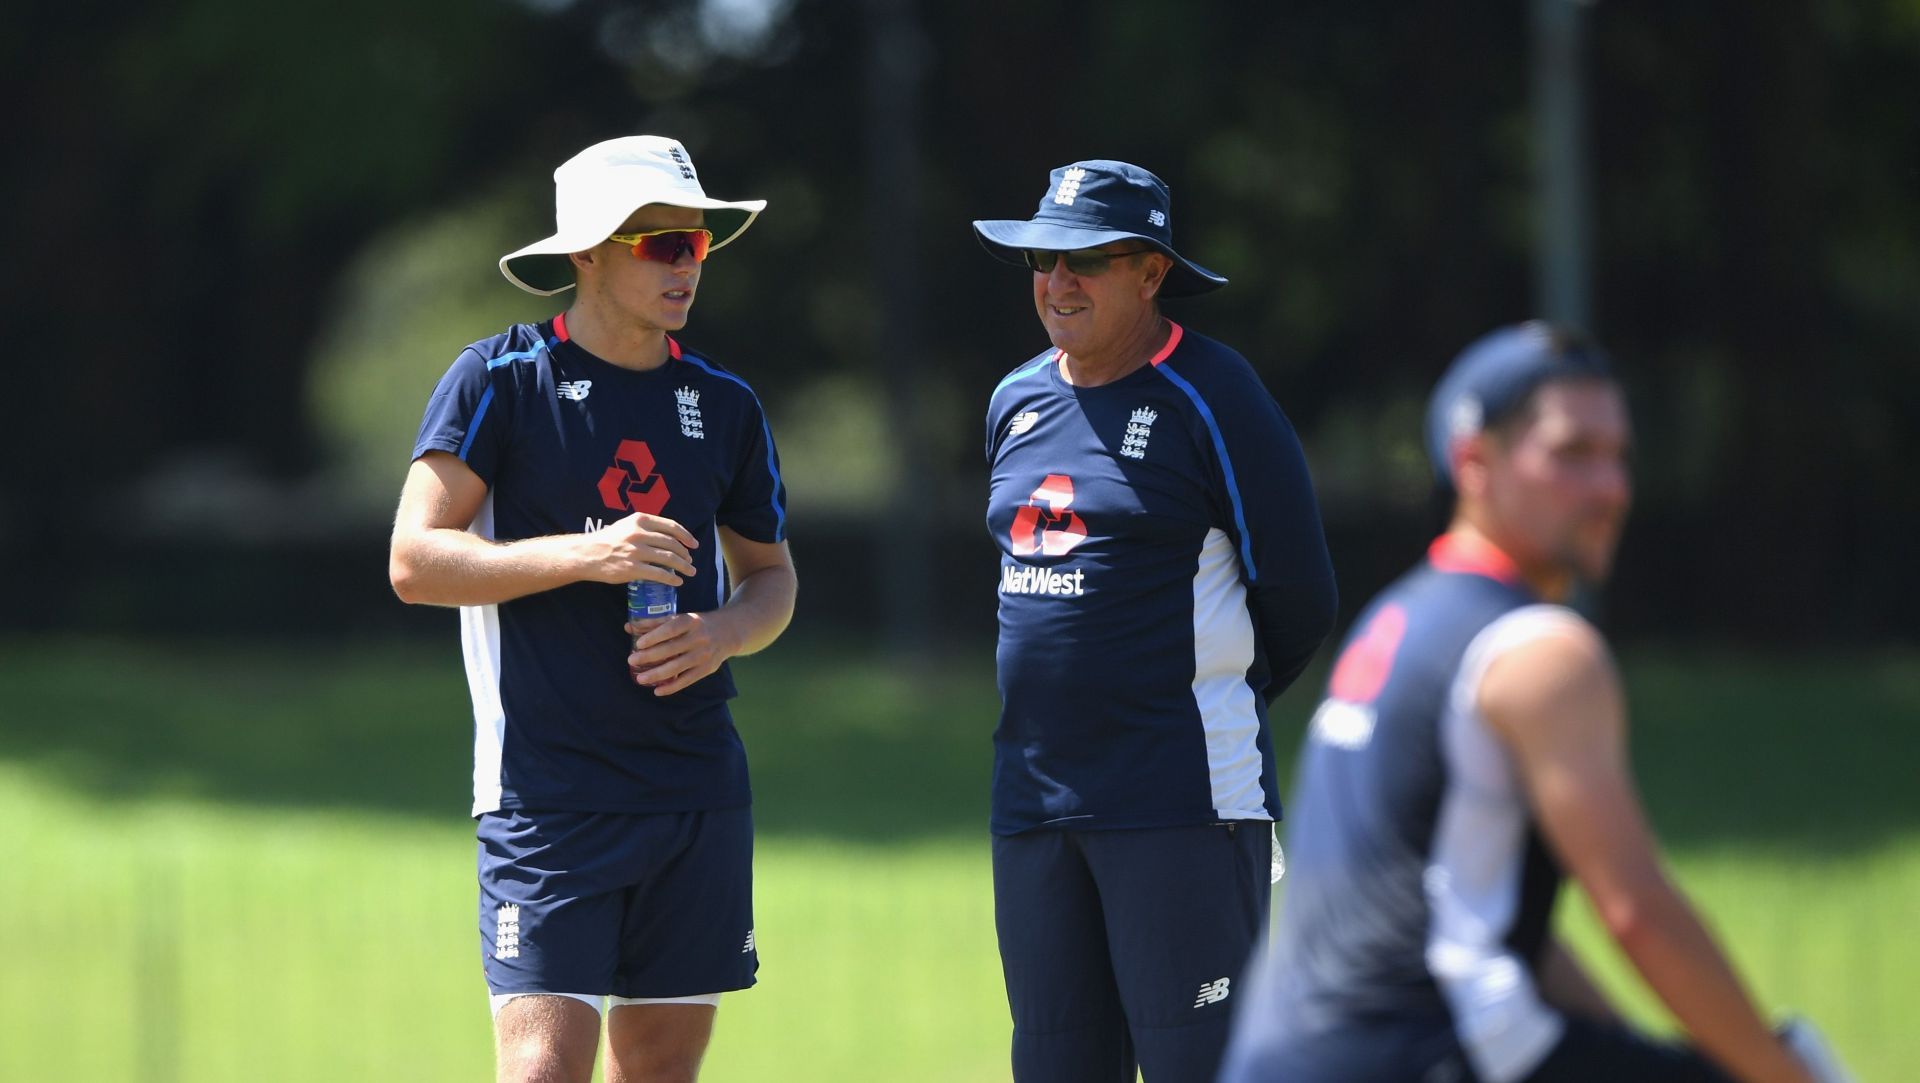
(712, 1000)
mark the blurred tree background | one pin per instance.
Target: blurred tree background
(244, 240)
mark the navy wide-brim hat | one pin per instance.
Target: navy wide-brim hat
(1097, 202)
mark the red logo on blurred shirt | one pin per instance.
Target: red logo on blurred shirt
(1046, 525)
(1363, 667)
(631, 484)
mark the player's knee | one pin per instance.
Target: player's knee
(545, 1039)
(536, 1060)
(652, 1041)
(1094, 1053)
(655, 1061)
(678, 1069)
(1182, 1054)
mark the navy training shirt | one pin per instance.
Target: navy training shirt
(1163, 576)
(567, 442)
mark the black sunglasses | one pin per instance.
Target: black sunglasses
(1089, 262)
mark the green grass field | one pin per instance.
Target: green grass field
(244, 864)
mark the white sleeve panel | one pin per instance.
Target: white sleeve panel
(1473, 877)
(480, 645)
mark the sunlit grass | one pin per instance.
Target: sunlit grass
(239, 864)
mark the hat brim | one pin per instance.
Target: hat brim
(543, 268)
(1006, 239)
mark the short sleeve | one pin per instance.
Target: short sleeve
(755, 505)
(466, 417)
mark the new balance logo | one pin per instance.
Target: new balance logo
(1022, 422)
(1156, 218)
(574, 390)
(1212, 992)
(748, 950)
(506, 932)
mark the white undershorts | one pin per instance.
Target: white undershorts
(711, 999)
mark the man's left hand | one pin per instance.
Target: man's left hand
(671, 654)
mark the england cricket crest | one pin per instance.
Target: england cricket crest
(1139, 429)
(687, 401)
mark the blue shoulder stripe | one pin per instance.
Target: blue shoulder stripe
(773, 466)
(1226, 465)
(521, 355)
(486, 397)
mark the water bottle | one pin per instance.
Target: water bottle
(648, 600)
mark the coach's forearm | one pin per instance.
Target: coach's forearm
(1673, 951)
(1295, 619)
(758, 610)
(456, 567)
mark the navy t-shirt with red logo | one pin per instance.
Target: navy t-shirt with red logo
(567, 442)
(1163, 577)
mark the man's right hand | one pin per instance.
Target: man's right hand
(437, 559)
(640, 546)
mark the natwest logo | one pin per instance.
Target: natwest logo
(1047, 525)
(630, 484)
(1017, 580)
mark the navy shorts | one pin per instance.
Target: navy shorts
(1386, 1052)
(1595, 1053)
(1123, 948)
(619, 904)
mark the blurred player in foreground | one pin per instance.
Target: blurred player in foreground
(559, 462)
(1471, 747)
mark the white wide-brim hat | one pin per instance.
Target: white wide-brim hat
(595, 190)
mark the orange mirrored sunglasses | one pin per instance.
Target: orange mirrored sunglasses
(665, 245)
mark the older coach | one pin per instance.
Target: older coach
(1163, 576)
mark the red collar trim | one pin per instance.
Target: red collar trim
(1472, 556)
(560, 332)
(1173, 339)
(1166, 351)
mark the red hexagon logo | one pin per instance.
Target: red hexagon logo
(1367, 662)
(630, 484)
(1052, 530)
